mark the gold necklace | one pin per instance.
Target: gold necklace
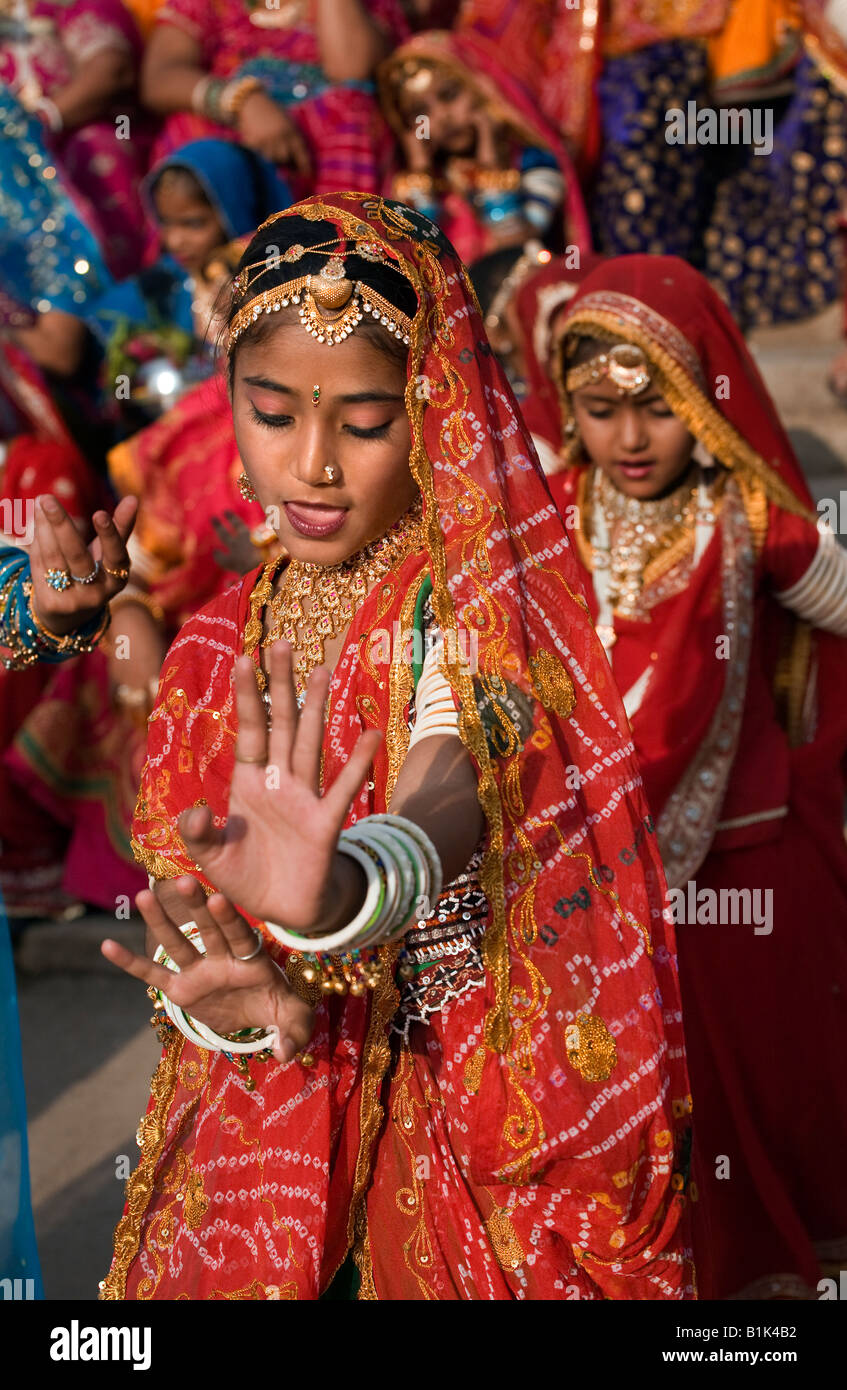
(317, 602)
(628, 532)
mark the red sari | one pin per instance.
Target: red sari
(743, 763)
(528, 1141)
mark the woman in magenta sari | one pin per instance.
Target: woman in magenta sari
(72, 63)
(292, 83)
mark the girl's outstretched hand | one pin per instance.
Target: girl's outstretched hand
(219, 989)
(58, 551)
(276, 855)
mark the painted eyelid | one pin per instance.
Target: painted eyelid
(266, 419)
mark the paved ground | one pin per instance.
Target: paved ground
(88, 1058)
(88, 1052)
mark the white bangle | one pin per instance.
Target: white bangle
(401, 865)
(191, 1028)
(401, 879)
(335, 942)
(427, 848)
(198, 94)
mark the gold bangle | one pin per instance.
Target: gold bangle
(498, 180)
(147, 601)
(236, 93)
(410, 181)
(70, 641)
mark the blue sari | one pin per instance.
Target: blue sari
(49, 256)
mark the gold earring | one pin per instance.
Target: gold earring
(329, 470)
(245, 487)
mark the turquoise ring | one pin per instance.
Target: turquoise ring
(58, 580)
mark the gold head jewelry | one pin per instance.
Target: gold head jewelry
(316, 395)
(625, 365)
(330, 305)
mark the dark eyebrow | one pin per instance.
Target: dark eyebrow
(369, 397)
(267, 385)
(358, 398)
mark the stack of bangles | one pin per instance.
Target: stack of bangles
(22, 633)
(403, 872)
(222, 100)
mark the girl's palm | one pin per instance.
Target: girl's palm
(276, 852)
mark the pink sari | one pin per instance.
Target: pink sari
(341, 123)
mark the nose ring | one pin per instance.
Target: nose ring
(329, 470)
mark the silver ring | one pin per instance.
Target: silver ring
(87, 578)
(256, 949)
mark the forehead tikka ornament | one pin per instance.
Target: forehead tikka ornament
(625, 365)
(330, 305)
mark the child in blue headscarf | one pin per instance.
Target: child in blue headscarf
(155, 326)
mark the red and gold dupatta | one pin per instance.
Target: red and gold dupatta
(699, 764)
(574, 1084)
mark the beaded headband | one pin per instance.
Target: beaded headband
(330, 304)
(624, 364)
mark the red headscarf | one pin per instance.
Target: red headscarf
(568, 1082)
(688, 726)
(540, 299)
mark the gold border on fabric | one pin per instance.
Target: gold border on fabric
(687, 400)
(428, 280)
(139, 1187)
(791, 680)
(385, 999)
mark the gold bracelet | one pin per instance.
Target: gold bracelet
(143, 600)
(71, 642)
(407, 184)
(236, 93)
(498, 180)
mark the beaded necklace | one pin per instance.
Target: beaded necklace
(316, 603)
(626, 533)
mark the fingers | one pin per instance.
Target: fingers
(166, 932)
(251, 744)
(294, 1024)
(348, 782)
(238, 935)
(306, 754)
(222, 530)
(46, 542)
(124, 517)
(199, 832)
(195, 902)
(66, 540)
(284, 702)
(112, 546)
(139, 967)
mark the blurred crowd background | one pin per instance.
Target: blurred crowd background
(142, 143)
